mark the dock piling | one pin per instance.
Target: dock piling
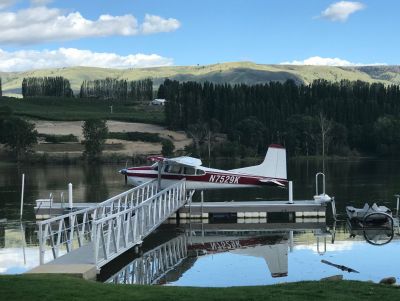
(290, 192)
(70, 200)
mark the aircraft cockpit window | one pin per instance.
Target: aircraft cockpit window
(189, 171)
(200, 172)
(174, 169)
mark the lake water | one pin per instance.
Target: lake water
(214, 254)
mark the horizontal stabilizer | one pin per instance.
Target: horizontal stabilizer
(272, 181)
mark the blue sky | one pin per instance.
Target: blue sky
(140, 33)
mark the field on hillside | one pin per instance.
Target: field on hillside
(70, 109)
(233, 73)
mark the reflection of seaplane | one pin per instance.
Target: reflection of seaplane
(273, 248)
(166, 263)
(271, 172)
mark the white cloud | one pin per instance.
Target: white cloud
(43, 24)
(6, 3)
(340, 11)
(155, 24)
(65, 57)
(40, 2)
(326, 61)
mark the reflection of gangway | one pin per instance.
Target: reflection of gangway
(167, 262)
(85, 240)
(152, 265)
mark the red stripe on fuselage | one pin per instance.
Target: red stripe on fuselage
(217, 178)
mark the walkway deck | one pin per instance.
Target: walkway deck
(87, 239)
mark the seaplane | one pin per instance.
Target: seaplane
(271, 172)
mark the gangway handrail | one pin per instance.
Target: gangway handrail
(77, 225)
(118, 232)
(141, 204)
(96, 206)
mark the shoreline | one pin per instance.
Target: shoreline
(74, 158)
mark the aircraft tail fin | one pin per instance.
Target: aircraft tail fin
(273, 166)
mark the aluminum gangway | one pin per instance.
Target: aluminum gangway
(98, 234)
(154, 264)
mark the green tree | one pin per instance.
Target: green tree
(95, 132)
(167, 147)
(387, 135)
(250, 132)
(18, 135)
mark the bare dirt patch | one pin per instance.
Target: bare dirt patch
(179, 139)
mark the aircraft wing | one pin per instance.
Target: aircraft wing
(156, 158)
(273, 181)
(188, 161)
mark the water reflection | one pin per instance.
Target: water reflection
(154, 264)
(168, 262)
(255, 254)
(96, 184)
(19, 250)
(375, 234)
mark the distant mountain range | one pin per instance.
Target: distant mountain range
(234, 73)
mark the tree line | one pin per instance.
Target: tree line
(108, 88)
(46, 86)
(111, 88)
(334, 117)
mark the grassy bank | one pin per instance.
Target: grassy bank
(72, 109)
(35, 287)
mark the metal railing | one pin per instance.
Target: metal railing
(73, 230)
(116, 233)
(154, 264)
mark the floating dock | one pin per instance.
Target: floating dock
(253, 209)
(246, 209)
(46, 210)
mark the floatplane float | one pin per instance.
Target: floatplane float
(271, 172)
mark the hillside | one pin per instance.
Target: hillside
(239, 72)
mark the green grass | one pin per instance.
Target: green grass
(70, 109)
(40, 287)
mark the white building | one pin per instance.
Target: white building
(158, 102)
